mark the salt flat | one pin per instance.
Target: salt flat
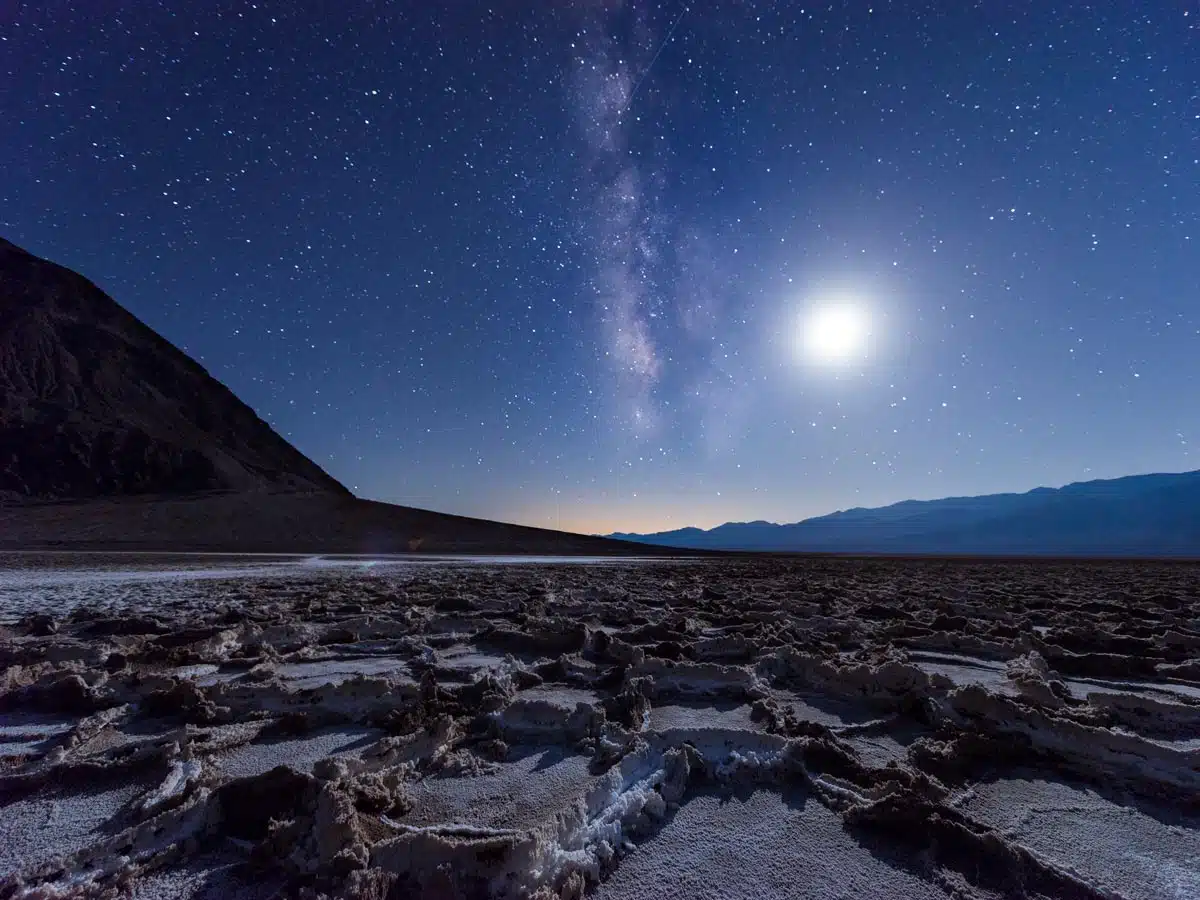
(381, 727)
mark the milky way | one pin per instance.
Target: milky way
(547, 264)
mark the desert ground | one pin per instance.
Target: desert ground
(240, 727)
(274, 522)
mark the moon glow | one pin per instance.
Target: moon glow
(835, 333)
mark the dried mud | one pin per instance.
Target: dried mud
(652, 729)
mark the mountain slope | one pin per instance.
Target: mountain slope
(95, 403)
(113, 439)
(1139, 515)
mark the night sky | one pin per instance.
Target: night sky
(641, 266)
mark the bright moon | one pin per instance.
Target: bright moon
(835, 333)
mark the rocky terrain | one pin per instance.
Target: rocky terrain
(208, 727)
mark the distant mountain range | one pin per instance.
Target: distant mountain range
(1139, 515)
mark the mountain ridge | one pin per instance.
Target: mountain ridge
(1154, 514)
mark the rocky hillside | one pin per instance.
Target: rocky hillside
(93, 403)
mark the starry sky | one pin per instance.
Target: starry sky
(554, 262)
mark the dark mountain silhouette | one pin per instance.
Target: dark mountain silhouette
(113, 438)
(1139, 515)
(95, 403)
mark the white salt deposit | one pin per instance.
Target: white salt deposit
(1159, 690)
(206, 878)
(468, 659)
(301, 753)
(755, 845)
(56, 583)
(824, 710)
(560, 695)
(878, 750)
(52, 824)
(696, 716)
(24, 734)
(303, 675)
(963, 670)
(183, 774)
(531, 787)
(1132, 851)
